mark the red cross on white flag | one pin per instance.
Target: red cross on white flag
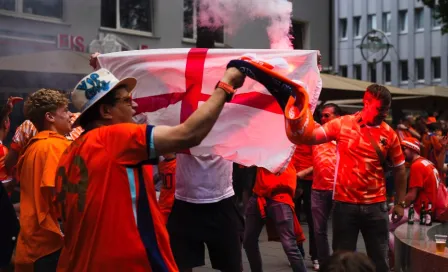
(172, 83)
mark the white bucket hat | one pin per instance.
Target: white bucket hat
(96, 85)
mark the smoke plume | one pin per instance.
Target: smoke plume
(233, 13)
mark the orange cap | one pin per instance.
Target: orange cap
(431, 120)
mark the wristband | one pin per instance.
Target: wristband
(227, 88)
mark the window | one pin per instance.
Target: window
(371, 22)
(386, 72)
(372, 72)
(127, 14)
(435, 68)
(419, 19)
(357, 71)
(420, 69)
(435, 22)
(8, 5)
(403, 20)
(386, 22)
(343, 28)
(343, 71)
(404, 70)
(357, 26)
(191, 11)
(47, 8)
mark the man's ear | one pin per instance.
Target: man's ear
(49, 117)
(105, 111)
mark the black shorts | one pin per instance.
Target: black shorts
(217, 225)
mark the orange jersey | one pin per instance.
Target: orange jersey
(431, 147)
(303, 159)
(324, 163)
(3, 152)
(359, 174)
(39, 234)
(110, 214)
(167, 172)
(268, 184)
(280, 188)
(425, 177)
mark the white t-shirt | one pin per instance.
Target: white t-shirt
(205, 179)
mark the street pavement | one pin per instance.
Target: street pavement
(274, 259)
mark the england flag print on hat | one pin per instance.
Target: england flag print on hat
(96, 85)
(412, 143)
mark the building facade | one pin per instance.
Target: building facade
(418, 52)
(81, 25)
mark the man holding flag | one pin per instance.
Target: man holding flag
(105, 163)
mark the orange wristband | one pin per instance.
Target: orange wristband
(227, 88)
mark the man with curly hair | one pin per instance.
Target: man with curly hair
(23, 134)
(40, 238)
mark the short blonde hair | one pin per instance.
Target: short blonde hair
(41, 102)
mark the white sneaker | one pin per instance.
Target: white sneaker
(316, 265)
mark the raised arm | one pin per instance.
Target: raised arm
(320, 134)
(318, 137)
(198, 125)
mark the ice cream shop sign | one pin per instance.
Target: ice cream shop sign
(70, 42)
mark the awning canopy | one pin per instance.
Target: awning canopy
(347, 91)
(58, 62)
(337, 87)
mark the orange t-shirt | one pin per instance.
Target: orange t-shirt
(359, 175)
(110, 214)
(424, 175)
(324, 163)
(280, 188)
(167, 172)
(268, 184)
(40, 234)
(303, 159)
